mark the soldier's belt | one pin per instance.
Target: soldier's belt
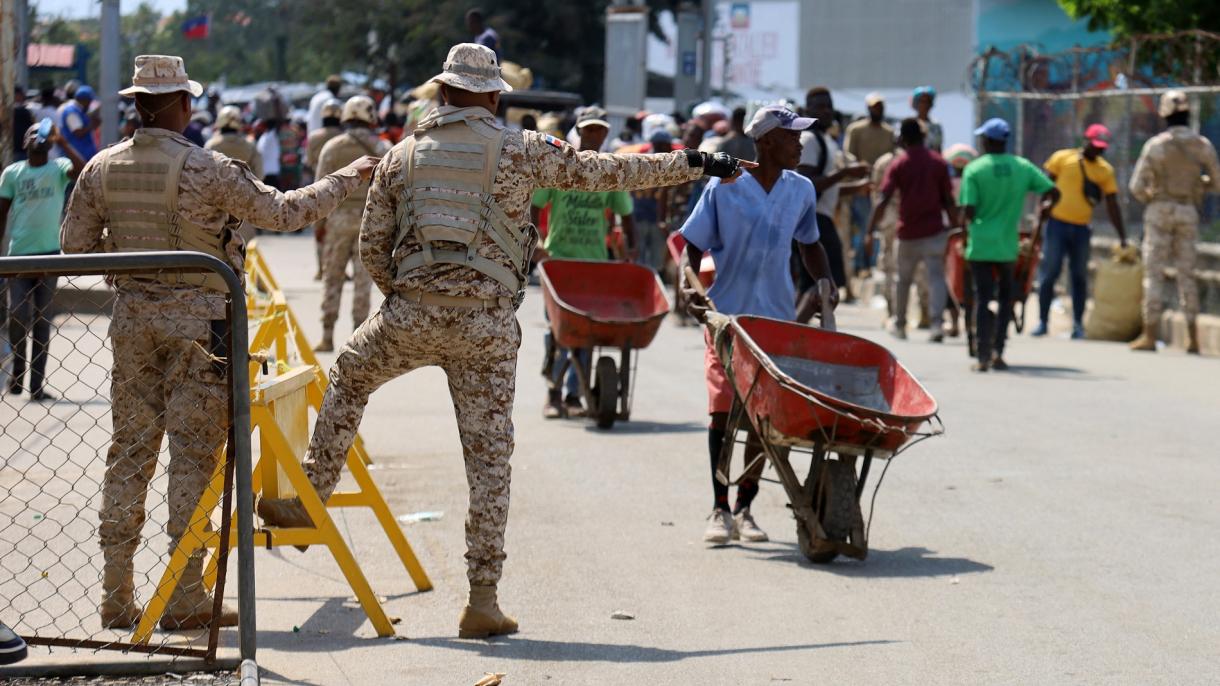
(442, 300)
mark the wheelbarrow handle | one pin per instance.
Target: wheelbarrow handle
(692, 279)
(825, 289)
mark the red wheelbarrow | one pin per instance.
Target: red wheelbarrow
(839, 399)
(707, 273)
(597, 305)
(960, 283)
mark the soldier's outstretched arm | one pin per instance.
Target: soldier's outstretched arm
(555, 164)
(380, 222)
(81, 231)
(1211, 165)
(1142, 177)
(233, 188)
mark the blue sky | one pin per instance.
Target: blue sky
(85, 8)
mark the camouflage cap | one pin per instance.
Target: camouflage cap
(1172, 102)
(472, 67)
(360, 108)
(161, 74)
(229, 117)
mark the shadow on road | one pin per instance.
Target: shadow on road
(574, 651)
(881, 564)
(648, 427)
(1049, 372)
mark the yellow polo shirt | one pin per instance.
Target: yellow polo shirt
(1064, 165)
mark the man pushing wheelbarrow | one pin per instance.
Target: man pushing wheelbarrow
(792, 389)
(750, 227)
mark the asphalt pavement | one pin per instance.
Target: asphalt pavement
(1061, 531)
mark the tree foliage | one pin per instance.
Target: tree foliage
(401, 41)
(1126, 18)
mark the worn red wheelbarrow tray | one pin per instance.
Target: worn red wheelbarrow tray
(839, 399)
(808, 385)
(594, 304)
(958, 279)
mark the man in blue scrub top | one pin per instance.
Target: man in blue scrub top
(749, 227)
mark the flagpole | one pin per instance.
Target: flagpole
(109, 84)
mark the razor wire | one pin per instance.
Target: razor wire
(115, 425)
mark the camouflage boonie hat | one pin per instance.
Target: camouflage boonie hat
(472, 67)
(1173, 102)
(156, 74)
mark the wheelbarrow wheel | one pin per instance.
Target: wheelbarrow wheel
(605, 392)
(835, 506)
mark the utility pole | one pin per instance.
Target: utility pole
(626, 70)
(108, 86)
(8, 48)
(22, 11)
(709, 25)
(686, 85)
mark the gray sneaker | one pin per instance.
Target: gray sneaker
(12, 648)
(719, 527)
(746, 529)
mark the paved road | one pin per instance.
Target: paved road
(1061, 532)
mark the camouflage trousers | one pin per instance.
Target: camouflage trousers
(341, 247)
(163, 381)
(478, 351)
(1171, 231)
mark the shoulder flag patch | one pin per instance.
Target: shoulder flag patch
(553, 141)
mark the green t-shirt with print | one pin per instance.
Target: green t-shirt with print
(577, 225)
(996, 186)
(37, 194)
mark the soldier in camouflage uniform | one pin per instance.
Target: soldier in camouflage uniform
(157, 191)
(343, 227)
(332, 111)
(1176, 168)
(229, 141)
(447, 240)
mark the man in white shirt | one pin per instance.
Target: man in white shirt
(825, 164)
(334, 83)
(269, 147)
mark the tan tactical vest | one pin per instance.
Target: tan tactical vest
(1181, 171)
(447, 200)
(345, 149)
(140, 188)
(233, 146)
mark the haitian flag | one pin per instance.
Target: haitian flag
(197, 27)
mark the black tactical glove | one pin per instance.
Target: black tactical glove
(721, 164)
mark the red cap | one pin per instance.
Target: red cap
(1098, 135)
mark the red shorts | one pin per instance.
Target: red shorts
(719, 390)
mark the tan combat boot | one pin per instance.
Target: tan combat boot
(119, 609)
(190, 607)
(286, 513)
(482, 616)
(1147, 340)
(327, 344)
(1192, 337)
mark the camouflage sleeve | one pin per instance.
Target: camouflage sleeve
(380, 223)
(556, 164)
(1142, 177)
(234, 188)
(1210, 164)
(325, 162)
(83, 224)
(256, 164)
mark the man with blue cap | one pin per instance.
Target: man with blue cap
(77, 126)
(992, 198)
(750, 228)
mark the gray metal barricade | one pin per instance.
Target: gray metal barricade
(56, 438)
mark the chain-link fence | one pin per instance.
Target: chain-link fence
(124, 425)
(1046, 122)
